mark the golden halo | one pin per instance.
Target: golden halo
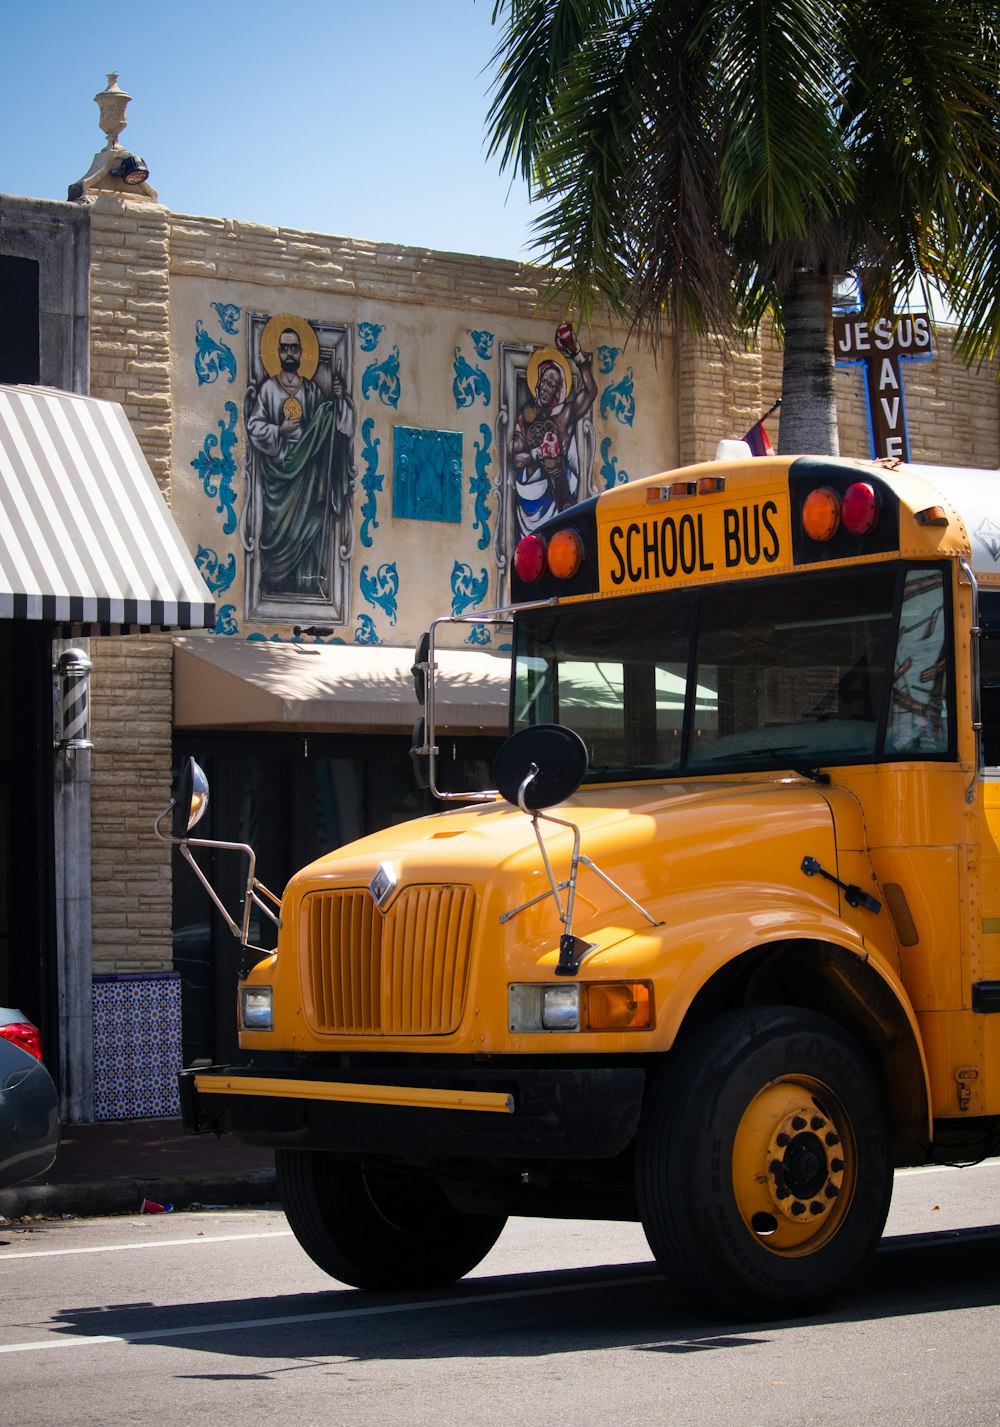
(288, 322)
(549, 354)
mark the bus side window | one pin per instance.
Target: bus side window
(918, 713)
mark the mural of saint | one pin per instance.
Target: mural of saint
(544, 455)
(300, 423)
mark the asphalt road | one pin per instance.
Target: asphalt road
(220, 1317)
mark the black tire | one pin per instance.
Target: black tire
(763, 1167)
(376, 1226)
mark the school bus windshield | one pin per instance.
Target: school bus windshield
(832, 667)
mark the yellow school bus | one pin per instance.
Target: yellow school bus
(720, 950)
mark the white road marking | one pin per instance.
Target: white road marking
(153, 1244)
(947, 1168)
(195, 1330)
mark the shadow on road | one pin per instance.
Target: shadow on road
(533, 1314)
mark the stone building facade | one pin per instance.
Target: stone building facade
(426, 361)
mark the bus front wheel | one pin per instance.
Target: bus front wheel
(379, 1226)
(763, 1168)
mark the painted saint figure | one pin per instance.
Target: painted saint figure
(543, 446)
(303, 435)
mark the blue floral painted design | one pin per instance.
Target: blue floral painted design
(368, 335)
(479, 486)
(217, 469)
(218, 575)
(478, 635)
(382, 379)
(470, 383)
(229, 316)
(371, 481)
(483, 343)
(610, 472)
(619, 400)
(225, 620)
(607, 356)
(212, 358)
(467, 589)
(366, 632)
(381, 588)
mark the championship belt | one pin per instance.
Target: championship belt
(543, 436)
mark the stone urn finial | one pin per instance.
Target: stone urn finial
(114, 172)
(112, 103)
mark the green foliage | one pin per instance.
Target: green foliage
(689, 157)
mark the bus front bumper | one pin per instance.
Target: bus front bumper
(572, 1113)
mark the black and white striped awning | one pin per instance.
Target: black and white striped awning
(86, 538)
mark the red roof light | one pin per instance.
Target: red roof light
(860, 508)
(530, 559)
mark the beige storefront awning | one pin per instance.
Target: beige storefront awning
(226, 683)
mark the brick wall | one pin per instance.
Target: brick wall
(350, 267)
(131, 708)
(720, 395)
(130, 321)
(131, 692)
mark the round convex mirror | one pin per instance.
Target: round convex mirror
(557, 753)
(191, 802)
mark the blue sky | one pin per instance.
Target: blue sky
(364, 118)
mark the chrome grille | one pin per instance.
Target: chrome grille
(402, 973)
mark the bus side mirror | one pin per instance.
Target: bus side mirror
(540, 766)
(419, 670)
(418, 757)
(191, 802)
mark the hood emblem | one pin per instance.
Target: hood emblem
(382, 885)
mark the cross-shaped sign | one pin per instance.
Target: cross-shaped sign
(880, 346)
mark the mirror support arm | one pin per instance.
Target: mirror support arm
(255, 892)
(572, 949)
(424, 669)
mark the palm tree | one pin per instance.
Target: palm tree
(710, 162)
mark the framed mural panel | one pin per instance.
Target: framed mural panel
(545, 437)
(297, 525)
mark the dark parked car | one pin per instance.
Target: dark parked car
(29, 1103)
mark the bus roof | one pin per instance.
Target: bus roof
(975, 496)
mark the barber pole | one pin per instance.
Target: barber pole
(73, 670)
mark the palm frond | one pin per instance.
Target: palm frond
(691, 157)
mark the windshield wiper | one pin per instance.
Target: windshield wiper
(812, 773)
(804, 771)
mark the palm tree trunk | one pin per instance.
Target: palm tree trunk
(808, 403)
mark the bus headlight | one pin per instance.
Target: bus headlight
(534, 1007)
(257, 1008)
(580, 1006)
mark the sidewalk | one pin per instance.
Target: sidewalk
(111, 1167)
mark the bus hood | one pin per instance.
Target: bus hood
(650, 842)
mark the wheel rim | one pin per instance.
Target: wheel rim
(794, 1166)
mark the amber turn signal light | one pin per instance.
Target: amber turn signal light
(821, 514)
(619, 1006)
(565, 554)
